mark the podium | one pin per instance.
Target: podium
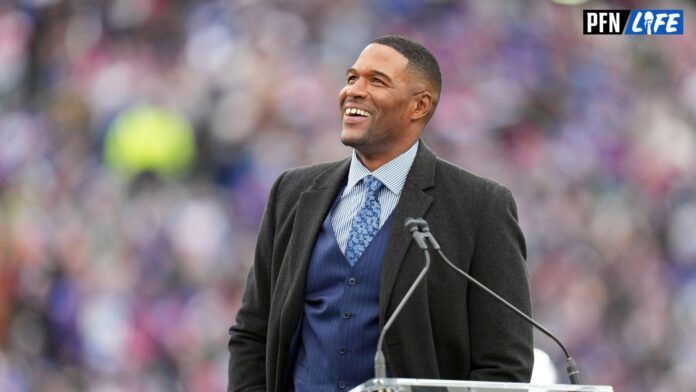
(424, 385)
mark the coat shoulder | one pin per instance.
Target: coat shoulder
(462, 180)
(291, 183)
(310, 172)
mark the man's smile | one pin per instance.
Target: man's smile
(355, 115)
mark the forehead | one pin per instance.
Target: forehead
(381, 58)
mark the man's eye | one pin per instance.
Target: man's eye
(352, 79)
(378, 81)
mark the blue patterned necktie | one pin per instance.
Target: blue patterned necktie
(366, 222)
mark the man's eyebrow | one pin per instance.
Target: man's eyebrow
(372, 71)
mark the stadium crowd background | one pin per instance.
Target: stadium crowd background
(139, 139)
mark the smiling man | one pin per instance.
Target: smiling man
(333, 258)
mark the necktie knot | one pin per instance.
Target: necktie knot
(372, 184)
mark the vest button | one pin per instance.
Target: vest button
(342, 351)
(341, 385)
(352, 281)
(346, 315)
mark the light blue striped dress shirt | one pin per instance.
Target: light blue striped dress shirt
(392, 175)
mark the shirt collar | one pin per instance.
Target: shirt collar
(392, 174)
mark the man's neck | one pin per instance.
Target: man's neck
(374, 160)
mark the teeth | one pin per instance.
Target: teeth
(358, 112)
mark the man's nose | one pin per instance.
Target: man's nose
(357, 89)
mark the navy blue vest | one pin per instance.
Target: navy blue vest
(340, 324)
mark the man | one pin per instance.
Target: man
(333, 258)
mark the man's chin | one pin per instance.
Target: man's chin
(354, 138)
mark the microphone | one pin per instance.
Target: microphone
(380, 360)
(426, 235)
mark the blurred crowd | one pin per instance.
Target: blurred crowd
(139, 139)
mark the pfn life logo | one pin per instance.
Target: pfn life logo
(633, 22)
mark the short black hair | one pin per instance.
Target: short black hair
(419, 58)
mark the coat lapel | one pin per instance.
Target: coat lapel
(414, 202)
(312, 208)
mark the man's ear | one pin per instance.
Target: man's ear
(423, 105)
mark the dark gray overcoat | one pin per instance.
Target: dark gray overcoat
(449, 330)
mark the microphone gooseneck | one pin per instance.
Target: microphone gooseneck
(571, 366)
(421, 226)
(380, 361)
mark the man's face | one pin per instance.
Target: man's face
(375, 100)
